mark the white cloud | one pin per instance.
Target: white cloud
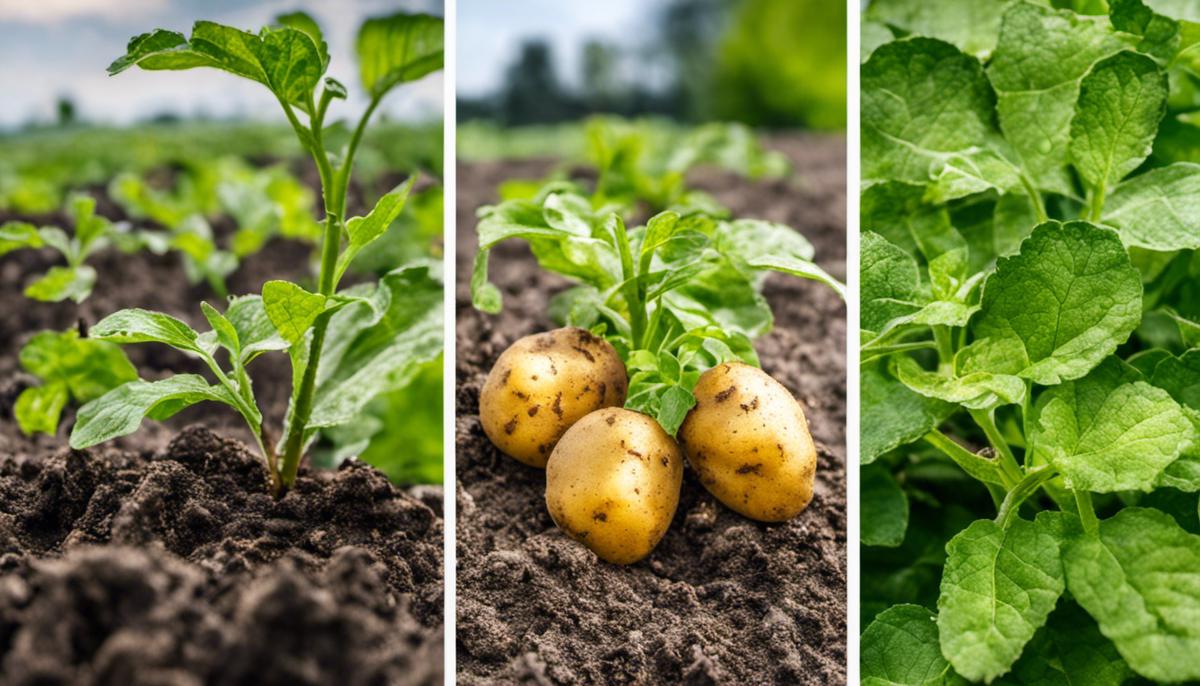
(53, 11)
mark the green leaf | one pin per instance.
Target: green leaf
(120, 411)
(255, 332)
(674, 405)
(368, 354)
(998, 587)
(1160, 35)
(16, 235)
(62, 283)
(892, 414)
(1040, 59)
(889, 282)
(926, 112)
(884, 509)
(1121, 101)
(38, 408)
(900, 648)
(972, 25)
(1140, 579)
(975, 391)
(285, 60)
(224, 330)
(1110, 431)
(1158, 210)
(364, 230)
(1070, 296)
(144, 326)
(899, 213)
(89, 367)
(291, 309)
(1069, 650)
(776, 247)
(302, 21)
(398, 48)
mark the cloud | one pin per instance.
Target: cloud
(55, 11)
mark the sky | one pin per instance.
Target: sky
(490, 33)
(51, 48)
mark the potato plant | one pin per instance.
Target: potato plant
(671, 300)
(1030, 377)
(346, 347)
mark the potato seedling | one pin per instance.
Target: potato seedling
(613, 483)
(92, 233)
(345, 347)
(1029, 343)
(748, 441)
(674, 298)
(544, 383)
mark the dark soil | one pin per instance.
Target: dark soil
(722, 600)
(160, 559)
(178, 568)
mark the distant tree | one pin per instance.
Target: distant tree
(65, 110)
(531, 93)
(601, 81)
(689, 33)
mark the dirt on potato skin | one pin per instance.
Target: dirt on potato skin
(178, 568)
(723, 599)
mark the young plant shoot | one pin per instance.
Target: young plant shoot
(75, 280)
(345, 347)
(1029, 361)
(657, 309)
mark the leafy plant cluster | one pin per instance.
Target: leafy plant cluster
(1030, 376)
(347, 347)
(675, 296)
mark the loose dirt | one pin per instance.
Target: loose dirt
(722, 600)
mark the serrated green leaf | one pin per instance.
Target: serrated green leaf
(927, 111)
(771, 246)
(1110, 431)
(291, 309)
(1040, 59)
(889, 282)
(884, 507)
(367, 354)
(1158, 210)
(1071, 295)
(899, 213)
(972, 25)
(15, 235)
(1121, 101)
(302, 21)
(976, 391)
(998, 587)
(1140, 579)
(398, 48)
(120, 411)
(900, 648)
(89, 368)
(1068, 651)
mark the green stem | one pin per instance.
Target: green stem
(1035, 198)
(945, 348)
(976, 466)
(1026, 410)
(1021, 492)
(1096, 202)
(1087, 513)
(631, 288)
(342, 177)
(1004, 454)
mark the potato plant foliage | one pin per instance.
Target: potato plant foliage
(675, 296)
(1030, 345)
(346, 347)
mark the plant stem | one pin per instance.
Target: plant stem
(1096, 202)
(945, 348)
(1021, 492)
(976, 466)
(634, 298)
(1087, 513)
(1026, 409)
(1004, 454)
(1035, 198)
